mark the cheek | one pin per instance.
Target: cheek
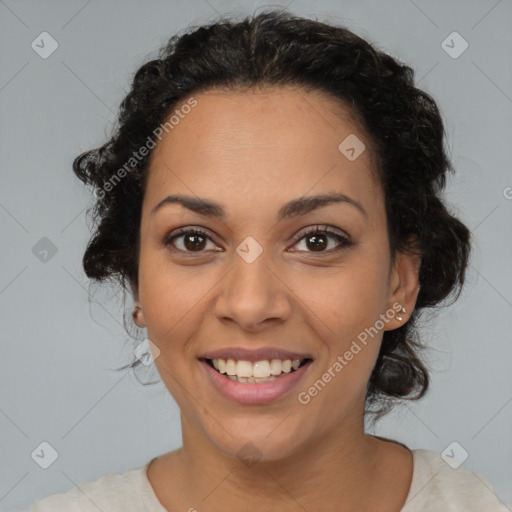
(163, 297)
(345, 309)
(349, 298)
(173, 299)
(168, 309)
(344, 314)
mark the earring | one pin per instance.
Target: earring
(403, 310)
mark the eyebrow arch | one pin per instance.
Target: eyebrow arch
(293, 208)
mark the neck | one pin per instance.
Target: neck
(337, 470)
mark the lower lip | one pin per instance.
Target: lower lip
(252, 393)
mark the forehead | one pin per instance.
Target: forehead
(273, 144)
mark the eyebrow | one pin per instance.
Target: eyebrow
(293, 208)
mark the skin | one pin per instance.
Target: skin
(252, 151)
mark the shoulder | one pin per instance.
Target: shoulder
(129, 491)
(436, 484)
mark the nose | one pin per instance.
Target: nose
(252, 295)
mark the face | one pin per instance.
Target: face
(256, 274)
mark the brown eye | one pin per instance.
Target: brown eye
(316, 242)
(318, 239)
(193, 240)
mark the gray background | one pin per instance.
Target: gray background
(59, 349)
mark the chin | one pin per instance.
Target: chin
(252, 441)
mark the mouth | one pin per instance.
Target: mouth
(257, 382)
(248, 372)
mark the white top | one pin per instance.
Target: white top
(435, 486)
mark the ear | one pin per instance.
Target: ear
(403, 287)
(138, 316)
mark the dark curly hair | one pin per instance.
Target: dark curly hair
(276, 48)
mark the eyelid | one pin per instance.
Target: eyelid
(321, 228)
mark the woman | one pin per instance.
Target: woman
(271, 199)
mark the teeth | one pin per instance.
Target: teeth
(276, 367)
(251, 379)
(244, 369)
(231, 367)
(247, 371)
(261, 369)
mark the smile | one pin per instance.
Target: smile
(253, 383)
(255, 372)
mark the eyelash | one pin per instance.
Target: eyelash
(344, 241)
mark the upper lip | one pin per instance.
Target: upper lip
(253, 355)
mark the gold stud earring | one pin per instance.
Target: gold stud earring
(403, 310)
